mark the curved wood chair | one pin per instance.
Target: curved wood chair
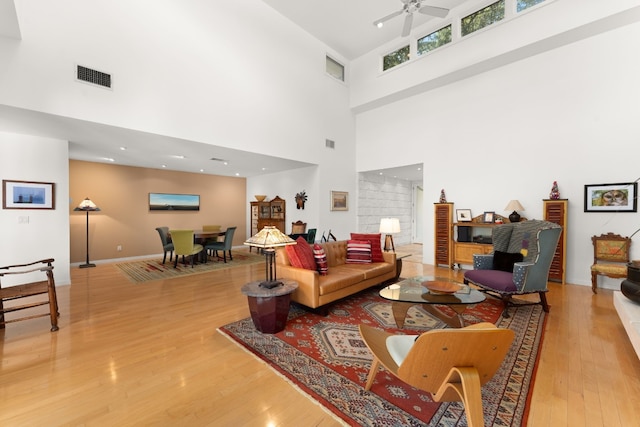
(184, 245)
(610, 257)
(451, 364)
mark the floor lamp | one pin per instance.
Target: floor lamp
(268, 239)
(88, 206)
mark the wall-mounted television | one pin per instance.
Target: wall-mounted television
(174, 202)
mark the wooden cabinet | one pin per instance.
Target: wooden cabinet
(463, 251)
(556, 211)
(443, 213)
(265, 213)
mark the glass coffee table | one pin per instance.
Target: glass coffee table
(444, 291)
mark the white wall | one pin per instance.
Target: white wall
(569, 114)
(46, 234)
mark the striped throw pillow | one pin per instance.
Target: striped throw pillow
(358, 252)
(321, 259)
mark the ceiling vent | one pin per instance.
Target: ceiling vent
(215, 159)
(94, 77)
(329, 143)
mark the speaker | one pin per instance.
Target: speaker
(464, 234)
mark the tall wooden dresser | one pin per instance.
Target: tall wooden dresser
(443, 220)
(556, 211)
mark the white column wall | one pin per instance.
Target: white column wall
(45, 234)
(569, 114)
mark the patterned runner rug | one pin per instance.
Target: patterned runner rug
(153, 269)
(325, 357)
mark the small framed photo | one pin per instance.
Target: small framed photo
(28, 195)
(463, 215)
(339, 201)
(611, 197)
(489, 217)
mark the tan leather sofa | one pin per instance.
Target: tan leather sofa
(341, 280)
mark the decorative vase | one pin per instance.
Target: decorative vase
(630, 288)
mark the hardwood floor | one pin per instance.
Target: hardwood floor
(149, 354)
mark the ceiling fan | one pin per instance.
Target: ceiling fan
(408, 8)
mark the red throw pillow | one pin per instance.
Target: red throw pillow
(376, 246)
(321, 260)
(358, 252)
(301, 255)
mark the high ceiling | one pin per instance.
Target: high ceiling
(346, 26)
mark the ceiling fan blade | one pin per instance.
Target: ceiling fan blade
(439, 12)
(408, 21)
(386, 18)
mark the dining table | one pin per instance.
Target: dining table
(200, 237)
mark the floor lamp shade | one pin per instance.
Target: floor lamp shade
(268, 239)
(87, 206)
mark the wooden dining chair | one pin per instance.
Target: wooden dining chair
(610, 257)
(298, 227)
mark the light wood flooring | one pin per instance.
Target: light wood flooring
(149, 354)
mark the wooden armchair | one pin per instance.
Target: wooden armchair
(451, 364)
(298, 227)
(31, 291)
(610, 257)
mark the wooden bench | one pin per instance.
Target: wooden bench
(38, 293)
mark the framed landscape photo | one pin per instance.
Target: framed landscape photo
(621, 197)
(28, 195)
(463, 215)
(339, 201)
(174, 202)
(488, 217)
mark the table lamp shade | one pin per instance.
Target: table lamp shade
(389, 225)
(269, 237)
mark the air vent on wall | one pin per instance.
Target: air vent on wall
(329, 143)
(92, 76)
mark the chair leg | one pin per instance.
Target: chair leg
(463, 384)
(230, 256)
(543, 301)
(164, 258)
(594, 282)
(372, 373)
(506, 299)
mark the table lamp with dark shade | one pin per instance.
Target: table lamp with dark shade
(268, 239)
(88, 206)
(514, 206)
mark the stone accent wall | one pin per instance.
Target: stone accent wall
(384, 197)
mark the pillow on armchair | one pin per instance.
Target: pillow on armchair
(504, 261)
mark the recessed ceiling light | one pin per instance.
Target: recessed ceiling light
(201, 170)
(123, 148)
(164, 166)
(180, 157)
(237, 174)
(109, 159)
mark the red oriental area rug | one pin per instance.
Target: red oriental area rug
(325, 357)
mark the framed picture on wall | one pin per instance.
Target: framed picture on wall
(339, 201)
(611, 197)
(174, 202)
(28, 195)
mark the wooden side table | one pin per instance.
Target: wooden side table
(269, 307)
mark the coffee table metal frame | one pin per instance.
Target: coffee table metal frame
(409, 292)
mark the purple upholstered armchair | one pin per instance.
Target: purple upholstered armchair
(520, 262)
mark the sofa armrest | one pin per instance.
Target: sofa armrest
(520, 271)
(389, 257)
(482, 261)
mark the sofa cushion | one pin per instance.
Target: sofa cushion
(376, 246)
(338, 279)
(504, 261)
(301, 255)
(321, 259)
(358, 252)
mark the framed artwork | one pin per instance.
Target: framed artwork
(463, 215)
(174, 202)
(488, 217)
(28, 195)
(621, 197)
(339, 201)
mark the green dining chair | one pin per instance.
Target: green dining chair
(183, 245)
(167, 245)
